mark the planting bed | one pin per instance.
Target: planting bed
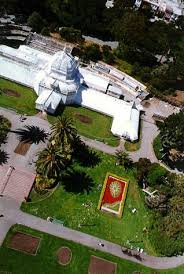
(100, 266)
(64, 255)
(10, 92)
(83, 118)
(113, 195)
(22, 148)
(24, 242)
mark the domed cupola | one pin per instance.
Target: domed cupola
(63, 64)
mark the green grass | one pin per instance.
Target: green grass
(98, 129)
(25, 103)
(45, 261)
(157, 146)
(134, 146)
(69, 207)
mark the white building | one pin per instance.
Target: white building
(58, 79)
(170, 9)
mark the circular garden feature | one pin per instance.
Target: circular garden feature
(64, 255)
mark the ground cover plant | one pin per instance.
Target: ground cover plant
(45, 261)
(89, 123)
(76, 199)
(22, 99)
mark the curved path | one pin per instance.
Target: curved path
(13, 215)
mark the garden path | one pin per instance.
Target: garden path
(13, 215)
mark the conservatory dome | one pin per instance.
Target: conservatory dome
(63, 63)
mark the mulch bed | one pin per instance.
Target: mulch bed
(22, 148)
(83, 119)
(10, 92)
(100, 266)
(64, 255)
(24, 242)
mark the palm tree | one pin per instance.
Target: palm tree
(31, 134)
(123, 159)
(63, 131)
(51, 161)
(3, 157)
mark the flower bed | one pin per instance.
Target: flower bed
(113, 195)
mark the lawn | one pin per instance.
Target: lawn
(95, 125)
(70, 207)
(134, 146)
(45, 261)
(24, 102)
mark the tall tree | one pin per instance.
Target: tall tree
(63, 132)
(172, 133)
(51, 161)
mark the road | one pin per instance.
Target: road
(13, 215)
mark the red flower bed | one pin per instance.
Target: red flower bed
(114, 190)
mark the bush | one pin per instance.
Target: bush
(45, 31)
(4, 128)
(71, 35)
(92, 53)
(155, 174)
(36, 22)
(157, 146)
(43, 183)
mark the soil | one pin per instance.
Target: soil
(10, 92)
(146, 104)
(178, 99)
(24, 242)
(64, 255)
(83, 119)
(100, 266)
(22, 148)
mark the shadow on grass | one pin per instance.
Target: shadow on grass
(77, 182)
(85, 156)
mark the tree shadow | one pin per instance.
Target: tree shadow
(3, 157)
(31, 134)
(85, 156)
(77, 182)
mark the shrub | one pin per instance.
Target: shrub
(155, 174)
(157, 146)
(43, 183)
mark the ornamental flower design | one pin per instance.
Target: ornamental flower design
(115, 189)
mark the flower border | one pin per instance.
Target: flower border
(123, 196)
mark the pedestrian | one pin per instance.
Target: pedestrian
(100, 244)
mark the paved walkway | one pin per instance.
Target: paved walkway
(13, 215)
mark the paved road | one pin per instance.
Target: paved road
(13, 215)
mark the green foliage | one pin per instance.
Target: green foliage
(143, 166)
(157, 146)
(172, 133)
(123, 159)
(36, 22)
(167, 229)
(51, 161)
(45, 31)
(43, 183)
(156, 174)
(4, 128)
(71, 35)
(91, 52)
